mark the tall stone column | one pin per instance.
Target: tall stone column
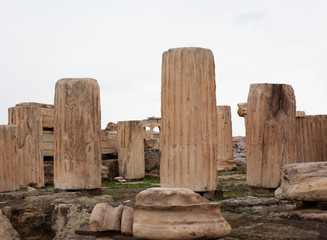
(270, 133)
(225, 139)
(311, 138)
(77, 125)
(9, 175)
(131, 149)
(188, 135)
(29, 144)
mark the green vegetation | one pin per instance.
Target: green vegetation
(241, 169)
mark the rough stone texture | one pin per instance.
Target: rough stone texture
(9, 177)
(28, 119)
(127, 221)
(255, 204)
(311, 135)
(106, 218)
(300, 113)
(225, 139)
(270, 132)
(7, 232)
(304, 181)
(109, 142)
(152, 144)
(104, 173)
(177, 213)
(152, 160)
(77, 159)
(112, 165)
(48, 173)
(131, 149)
(188, 138)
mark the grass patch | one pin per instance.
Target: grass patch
(241, 169)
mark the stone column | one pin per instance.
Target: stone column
(300, 113)
(9, 175)
(243, 111)
(29, 145)
(311, 135)
(225, 139)
(270, 133)
(77, 124)
(188, 135)
(131, 149)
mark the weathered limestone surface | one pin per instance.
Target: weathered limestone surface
(106, 218)
(7, 232)
(131, 149)
(304, 181)
(28, 119)
(127, 221)
(225, 139)
(177, 213)
(188, 138)
(300, 113)
(8, 159)
(311, 138)
(270, 133)
(77, 122)
(109, 142)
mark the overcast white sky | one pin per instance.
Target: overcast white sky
(120, 43)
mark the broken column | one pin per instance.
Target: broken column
(177, 213)
(28, 119)
(270, 133)
(9, 176)
(225, 139)
(131, 149)
(311, 135)
(188, 136)
(77, 124)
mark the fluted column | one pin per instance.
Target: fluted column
(77, 125)
(225, 139)
(270, 133)
(9, 175)
(131, 149)
(188, 136)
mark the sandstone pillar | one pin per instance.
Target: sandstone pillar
(225, 139)
(131, 149)
(188, 135)
(311, 138)
(243, 112)
(300, 113)
(270, 133)
(77, 124)
(29, 145)
(9, 176)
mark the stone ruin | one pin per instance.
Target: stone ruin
(195, 141)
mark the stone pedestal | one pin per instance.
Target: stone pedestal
(131, 149)
(188, 136)
(177, 213)
(311, 138)
(270, 133)
(77, 124)
(225, 139)
(28, 119)
(9, 175)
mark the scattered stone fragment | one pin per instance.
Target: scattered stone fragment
(106, 218)
(127, 221)
(304, 182)
(177, 213)
(119, 179)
